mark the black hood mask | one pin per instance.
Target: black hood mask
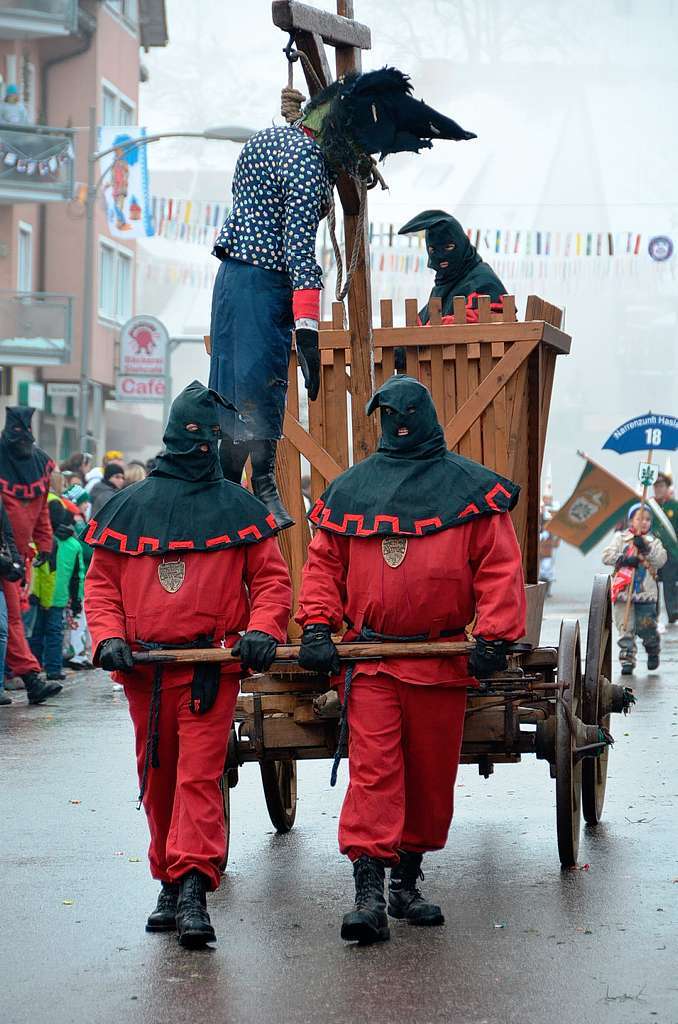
(183, 456)
(185, 503)
(413, 485)
(458, 268)
(24, 468)
(375, 112)
(409, 424)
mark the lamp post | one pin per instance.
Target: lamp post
(225, 133)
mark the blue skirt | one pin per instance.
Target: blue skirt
(251, 335)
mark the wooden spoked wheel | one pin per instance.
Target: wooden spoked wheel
(226, 803)
(279, 779)
(598, 666)
(568, 768)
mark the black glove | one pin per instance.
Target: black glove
(40, 559)
(10, 570)
(308, 355)
(632, 561)
(76, 608)
(488, 657)
(641, 544)
(317, 651)
(256, 650)
(115, 655)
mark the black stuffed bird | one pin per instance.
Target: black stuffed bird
(377, 112)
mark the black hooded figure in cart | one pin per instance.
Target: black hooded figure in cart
(458, 267)
(269, 282)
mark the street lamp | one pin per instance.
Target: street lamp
(225, 133)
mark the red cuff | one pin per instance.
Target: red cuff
(306, 304)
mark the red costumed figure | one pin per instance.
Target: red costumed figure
(413, 543)
(24, 482)
(185, 559)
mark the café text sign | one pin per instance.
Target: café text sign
(138, 388)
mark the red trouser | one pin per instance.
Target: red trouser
(19, 657)
(183, 800)
(404, 746)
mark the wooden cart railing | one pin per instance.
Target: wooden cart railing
(491, 383)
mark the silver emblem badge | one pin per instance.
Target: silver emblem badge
(171, 575)
(394, 550)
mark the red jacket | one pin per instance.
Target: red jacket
(245, 587)
(445, 579)
(30, 522)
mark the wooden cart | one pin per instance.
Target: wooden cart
(491, 383)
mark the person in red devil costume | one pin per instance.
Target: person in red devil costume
(413, 543)
(185, 559)
(24, 482)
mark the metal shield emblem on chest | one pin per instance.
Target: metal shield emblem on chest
(394, 550)
(171, 575)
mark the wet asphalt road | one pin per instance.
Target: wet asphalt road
(523, 943)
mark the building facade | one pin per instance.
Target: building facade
(63, 57)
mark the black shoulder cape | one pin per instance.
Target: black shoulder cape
(161, 514)
(24, 478)
(387, 495)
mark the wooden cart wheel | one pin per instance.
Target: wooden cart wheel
(226, 803)
(598, 664)
(568, 769)
(279, 779)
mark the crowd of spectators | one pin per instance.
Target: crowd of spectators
(51, 583)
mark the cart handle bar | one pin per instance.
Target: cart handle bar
(347, 652)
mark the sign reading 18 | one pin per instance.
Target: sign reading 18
(653, 437)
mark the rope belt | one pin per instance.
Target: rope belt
(151, 755)
(366, 635)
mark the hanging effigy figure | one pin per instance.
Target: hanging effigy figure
(414, 543)
(185, 559)
(269, 282)
(458, 267)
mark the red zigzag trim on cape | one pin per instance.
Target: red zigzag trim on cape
(148, 545)
(28, 491)
(321, 515)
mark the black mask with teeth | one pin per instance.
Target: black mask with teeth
(409, 424)
(192, 427)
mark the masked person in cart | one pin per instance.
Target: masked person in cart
(24, 482)
(185, 559)
(269, 281)
(459, 269)
(413, 543)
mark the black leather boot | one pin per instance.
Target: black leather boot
(164, 917)
(38, 691)
(193, 921)
(232, 457)
(405, 901)
(264, 483)
(368, 921)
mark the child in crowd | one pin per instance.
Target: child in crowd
(77, 645)
(58, 584)
(637, 555)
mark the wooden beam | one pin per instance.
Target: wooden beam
(469, 412)
(348, 59)
(449, 334)
(290, 16)
(309, 447)
(311, 44)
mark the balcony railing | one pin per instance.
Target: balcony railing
(36, 328)
(34, 19)
(36, 164)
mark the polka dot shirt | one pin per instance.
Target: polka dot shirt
(281, 190)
